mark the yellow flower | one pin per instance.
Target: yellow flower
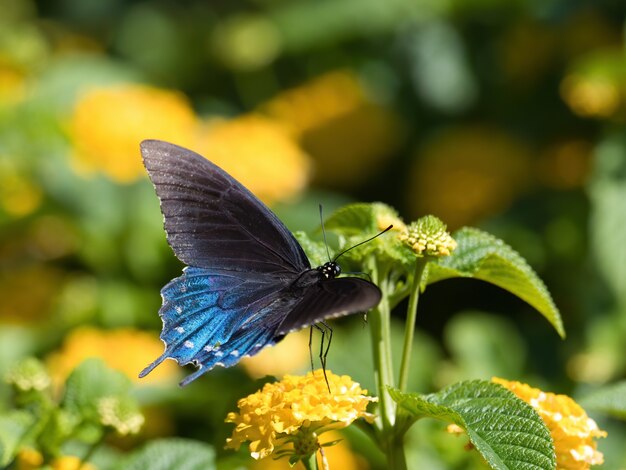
(19, 195)
(428, 237)
(108, 124)
(465, 174)
(29, 459)
(317, 102)
(572, 430)
(288, 356)
(28, 292)
(344, 129)
(126, 350)
(591, 96)
(70, 462)
(12, 84)
(295, 411)
(258, 152)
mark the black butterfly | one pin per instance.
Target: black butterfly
(248, 282)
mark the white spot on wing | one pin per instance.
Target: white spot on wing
(234, 353)
(178, 309)
(180, 329)
(208, 348)
(189, 344)
(219, 353)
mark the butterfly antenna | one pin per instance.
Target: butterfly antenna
(361, 243)
(324, 232)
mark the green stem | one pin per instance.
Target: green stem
(409, 328)
(92, 449)
(379, 321)
(310, 463)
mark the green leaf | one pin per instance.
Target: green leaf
(353, 219)
(355, 223)
(610, 400)
(607, 190)
(164, 454)
(480, 255)
(315, 251)
(507, 432)
(88, 383)
(14, 425)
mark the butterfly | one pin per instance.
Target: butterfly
(248, 282)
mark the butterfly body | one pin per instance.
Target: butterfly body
(248, 282)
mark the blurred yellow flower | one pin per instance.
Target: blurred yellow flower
(126, 350)
(317, 102)
(565, 165)
(345, 131)
(19, 195)
(259, 153)
(590, 96)
(12, 84)
(28, 292)
(28, 459)
(288, 356)
(70, 462)
(31, 459)
(295, 411)
(108, 123)
(572, 430)
(467, 173)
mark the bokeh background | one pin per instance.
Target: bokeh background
(507, 115)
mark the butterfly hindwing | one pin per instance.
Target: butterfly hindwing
(330, 298)
(212, 317)
(212, 221)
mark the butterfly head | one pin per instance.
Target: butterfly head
(329, 270)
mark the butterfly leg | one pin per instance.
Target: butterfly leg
(324, 329)
(310, 348)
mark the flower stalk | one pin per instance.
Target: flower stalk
(411, 316)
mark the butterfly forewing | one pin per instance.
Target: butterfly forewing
(212, 221)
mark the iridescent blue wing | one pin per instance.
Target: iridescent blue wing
(330, 298)
(214, 222)
(216, 317)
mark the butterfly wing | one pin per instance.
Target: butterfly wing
(213, 317)
(330, 298)
(212, 221)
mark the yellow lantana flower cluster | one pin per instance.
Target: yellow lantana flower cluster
(271, 418)
(258, 152)
(109, 122)
(428, 237)
(31, 459)
(572, 431)
(126, 350)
